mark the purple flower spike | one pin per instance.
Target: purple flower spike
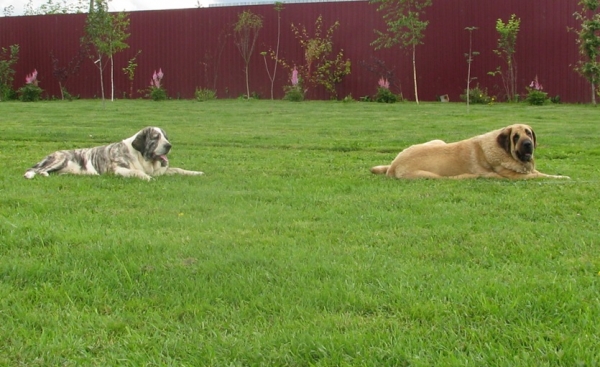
(535, 84)
(384, 83)
(156, 77)
(31, 78)
(295, 77)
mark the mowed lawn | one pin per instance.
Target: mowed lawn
(289, 252)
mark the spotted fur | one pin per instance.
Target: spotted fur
(143, 155)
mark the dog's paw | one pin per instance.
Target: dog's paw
(29, 175)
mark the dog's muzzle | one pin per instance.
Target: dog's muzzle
(526, 151)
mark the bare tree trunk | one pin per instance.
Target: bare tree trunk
(469, 60)
(276, 51)
(101, 78)
(247, 84)
(593, 93)
(415, 74)
(468, 84)
(112, 79)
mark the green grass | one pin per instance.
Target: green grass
(288, 252)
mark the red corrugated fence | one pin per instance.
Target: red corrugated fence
(195, 49)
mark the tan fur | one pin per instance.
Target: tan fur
(503, 153)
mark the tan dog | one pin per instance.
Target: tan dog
(504, 153)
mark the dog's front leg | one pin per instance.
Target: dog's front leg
(126, 172)
(538, 174)
(180, 171)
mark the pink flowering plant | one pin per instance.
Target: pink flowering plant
(30, 92)
(384, 94)
(157, 91)
(535, 93)
(294, 93)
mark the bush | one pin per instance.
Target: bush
(205, 94)
(158, 94)
(536, 97)
(69, 97)
(294, 94)
(384, 95)
(7, 93)
(348, 98)
(476, 96)
(30, 93)
(8, 58)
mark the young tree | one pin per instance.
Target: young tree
(319, 67)
(8, 58)
(8, 11)
(212, 59)
(589, 44)
(380, 69)
(274, 54)
(404, 27)
(246, 31)
(62, 73)
(469, 57)
(55, 7)
(129, 71)
(507, 46)
(107, 33)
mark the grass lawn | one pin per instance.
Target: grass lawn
(289, 252)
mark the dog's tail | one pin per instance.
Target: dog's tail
(380, 170)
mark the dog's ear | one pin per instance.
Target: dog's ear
(534, 138)
(503, 139)
(139, 143)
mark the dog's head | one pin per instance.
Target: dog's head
(519, 141)
(153, 144)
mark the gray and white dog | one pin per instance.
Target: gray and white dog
(143, 155)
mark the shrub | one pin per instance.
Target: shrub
(348, 98)
(205, 94)
(66, 95)
(157, 92)
(535, 96)
(476, 96)
(294, 94)
(30, 92)
(384, 94)
(8, 58)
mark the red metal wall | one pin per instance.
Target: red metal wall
(186, 44)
